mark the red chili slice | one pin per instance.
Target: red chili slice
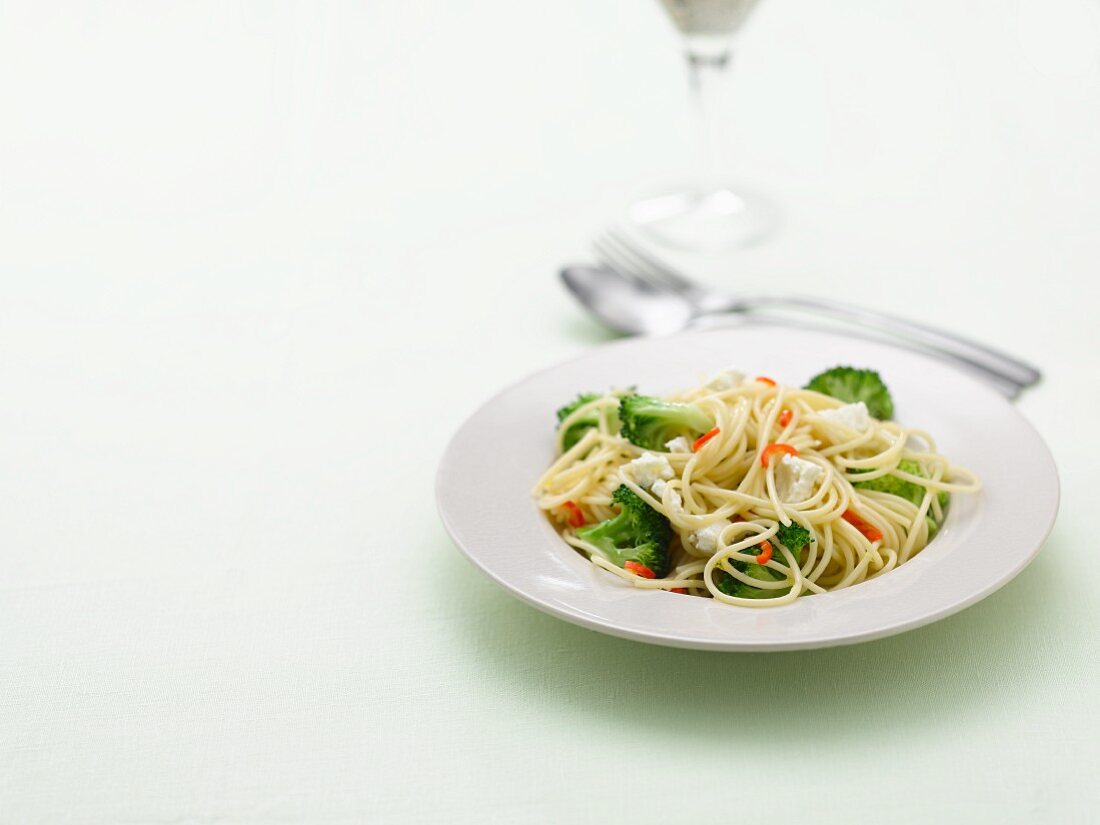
(772, 449)
(703, 439)
(576, 516)
(869, 530)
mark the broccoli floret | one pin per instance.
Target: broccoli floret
(850, 385)
(737, 588)
(639, 533)
(580, 401)
(576, 430)
(907, 490)
(650, 422)
(899, 487)
(794, 537)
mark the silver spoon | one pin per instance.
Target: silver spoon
(636, 307)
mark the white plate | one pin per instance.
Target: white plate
(483, 490)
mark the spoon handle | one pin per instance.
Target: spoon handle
(977, 355)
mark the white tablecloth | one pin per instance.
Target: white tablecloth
(259, 260)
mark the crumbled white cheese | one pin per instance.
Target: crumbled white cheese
(853, 416)
(795, 478)
(649, 468)
(674, 500)
(726, 379)
(707, 538)
(678, 445)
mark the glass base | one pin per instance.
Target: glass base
(716, 221)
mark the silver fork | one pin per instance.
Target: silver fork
(621, 254)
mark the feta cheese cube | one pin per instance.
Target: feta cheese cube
(726, 379)
(795, 479)
(707, 538)
(678, 445)
(649, 468)
(853, 416)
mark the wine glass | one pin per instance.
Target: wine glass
(707, 215)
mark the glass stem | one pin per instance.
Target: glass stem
(708, 73)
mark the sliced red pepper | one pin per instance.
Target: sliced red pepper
(785, 417)
(869, 530)
(639, 569)
(681, 590)
(703, 439)
(772, 449)
(765, 554)
(765, 380)
(576, 517)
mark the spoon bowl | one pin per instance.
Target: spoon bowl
(626, 305)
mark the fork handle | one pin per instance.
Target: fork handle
(983, 357)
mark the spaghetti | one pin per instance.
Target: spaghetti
(790, 492)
